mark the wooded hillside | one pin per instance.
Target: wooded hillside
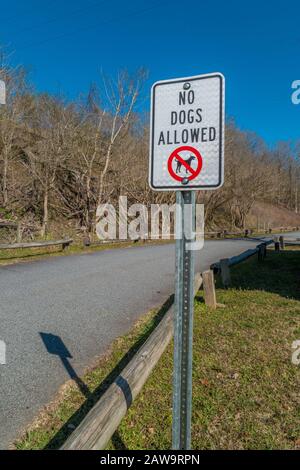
(60, 159)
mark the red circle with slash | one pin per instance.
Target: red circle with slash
(175, 155)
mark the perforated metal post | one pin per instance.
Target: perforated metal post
(183, 323)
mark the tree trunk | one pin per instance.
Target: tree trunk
(45, 213)
(4, 181)
(103, 174)
(88, 204)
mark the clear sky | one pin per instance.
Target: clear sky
(255, 44)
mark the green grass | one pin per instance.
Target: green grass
(33, 254)
(245, 388)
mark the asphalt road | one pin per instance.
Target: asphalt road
(87, 301)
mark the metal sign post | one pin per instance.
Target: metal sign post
(186, 154)
(183, 322)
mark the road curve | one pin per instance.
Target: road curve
(87, 301)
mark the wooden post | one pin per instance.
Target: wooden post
(260, 253)
(87, 241)
(209, 289)
(225, 272)
(281, 242)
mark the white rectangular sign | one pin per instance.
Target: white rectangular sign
(2, 92)
(187, 133)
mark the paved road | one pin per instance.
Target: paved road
(87, 300)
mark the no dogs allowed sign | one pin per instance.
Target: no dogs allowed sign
(187, 133)
(2, 92)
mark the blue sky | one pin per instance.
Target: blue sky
(255, 44)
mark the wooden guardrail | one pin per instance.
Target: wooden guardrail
(281, 242)
(247, 233)
(288, 241)
(220, 234)
(13, 246)
(222, 267)
(100, 423)
(216, 267)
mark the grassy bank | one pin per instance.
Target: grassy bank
(245, 389)
(33, 254)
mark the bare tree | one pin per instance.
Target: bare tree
(12, 117)
(59, 160)
(121, 98)
(51, 152)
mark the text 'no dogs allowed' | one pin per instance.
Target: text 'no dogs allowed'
(187, 113)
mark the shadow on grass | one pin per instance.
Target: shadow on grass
(92, 397)
(56, 346)
(279, 273)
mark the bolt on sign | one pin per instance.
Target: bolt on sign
(187, 133)
(2, 92)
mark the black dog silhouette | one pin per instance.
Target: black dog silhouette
(179, 164)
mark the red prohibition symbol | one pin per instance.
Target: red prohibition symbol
(187, 164)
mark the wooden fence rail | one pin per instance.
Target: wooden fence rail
(96, 429)
(283, 242)
(101, 422)
(216, 267)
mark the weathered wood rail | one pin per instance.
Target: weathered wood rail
(283, 242)
(14, 246)
(223, 268)
(216, 267)
(101, 422)
(220, 234)
(96, 429)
